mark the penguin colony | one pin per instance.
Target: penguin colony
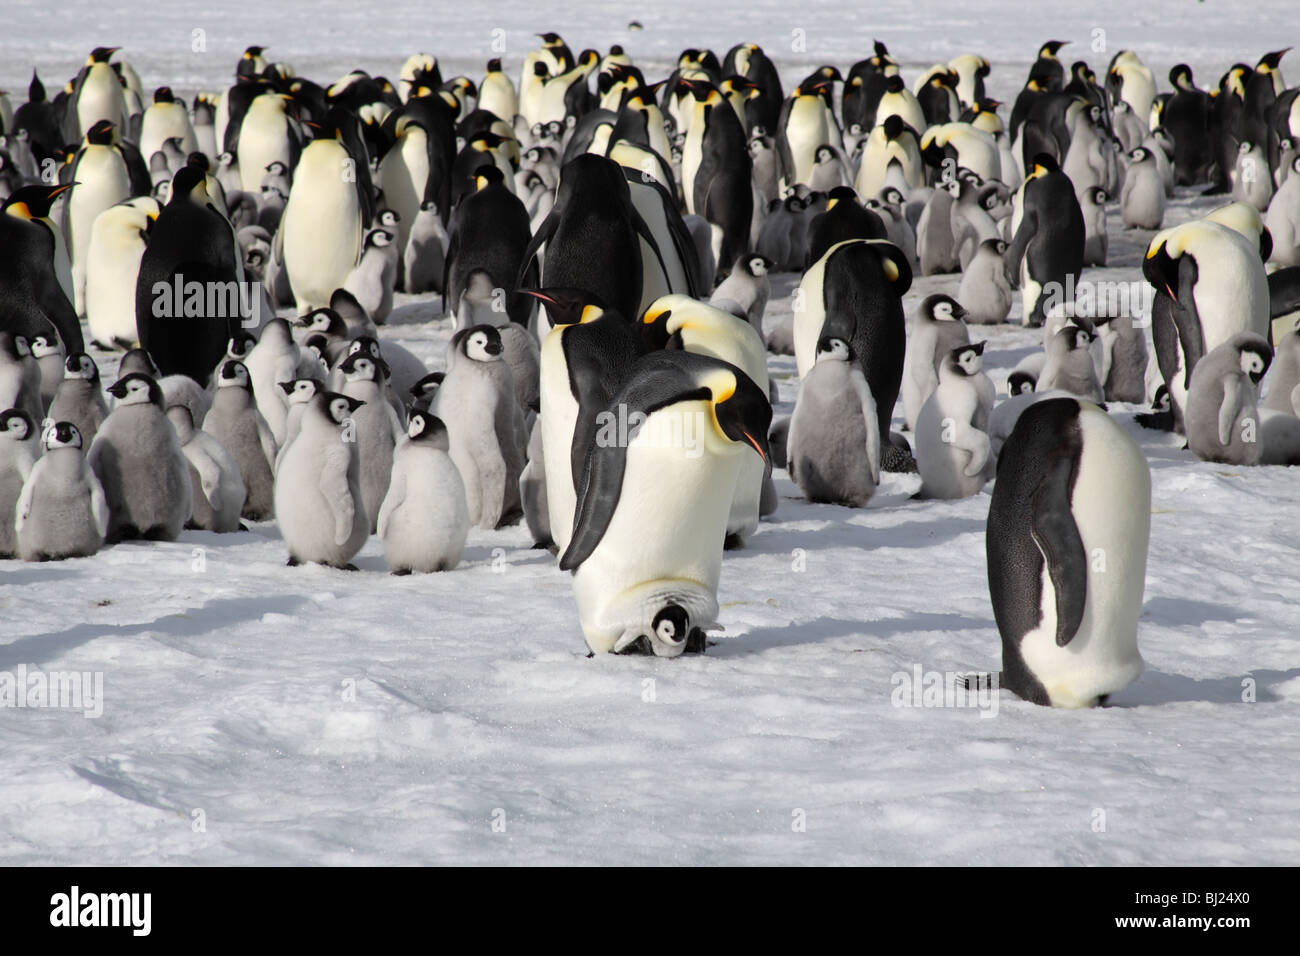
(602, 244)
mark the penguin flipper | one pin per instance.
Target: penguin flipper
(544, 232)
(337, 492)
(598, 499)
(1054, 531)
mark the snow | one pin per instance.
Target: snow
(255, 713)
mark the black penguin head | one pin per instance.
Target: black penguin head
(16, 424)
(966, 359)
(756, 264)
(832, 348)
(101, 54)
(494, 65)
(895, 84)
(1161, 401)
(742, 410)
(367, 346)
(45, 343)
(318, 345)
(1098, 195)
(164, 94)
(487, 175)
(34, 202)
(136, 388)
(388, 218)
(1269, 61)
(81, 366)
(378, 239)
(360, 367)
(672, 625)
(324, 321)
(1181, 77)
(568, 306)
(234, 374)
(426, 427)
(894, 126)
(1161, 269)
(482, 343)
(428, 386)
(996, 246)
(1140, 154)
(101, 134)
(1049, 49)
(336, 407)
(189, 185)
(240, 344)
(1255, 354)
(943, 308)
(1075, 337)
(61, 435)
(1044, 165)
(841, 194)
(300, 391)
(1021, 383)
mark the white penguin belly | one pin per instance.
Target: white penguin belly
(322, 224)
(559, 417)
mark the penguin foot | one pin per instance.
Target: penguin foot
(293, 562)
(733, 542)
(639, 647)
(399, 572)
(242, 526)
(697, 642)
(895, 459)
(980, 682)
(1157, 421)
(347, 567)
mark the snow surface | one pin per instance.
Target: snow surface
(319, 716)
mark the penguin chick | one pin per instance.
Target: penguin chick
(138, 460)
(984, 293)
(1222, 420)
(376, 429)
(239, 427)
(19, 449)
(1142, 201)
(50, 356)
(833, 443)
(217, 488)
(937, 328)
(373, 278)
(318, 502)
(1069, 365)
(1124, 361)
(62, 511)
(79, 398)
(424, 520)
(748, 287)
(485, 425)
(953, 452)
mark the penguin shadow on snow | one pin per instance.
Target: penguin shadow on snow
(827, 628)
(775, 539)
(23, 574)
(1156, 687)
(213, 615)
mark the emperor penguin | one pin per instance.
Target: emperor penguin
(102, 179)
(318, 502)
(707, 330)
(1142, 203)
(488, 439)
(1222, 418)
(833, 444)
(320, 235)
(267, 134)
(372, 279)
(1283, 219)
(1252, 180)
(747, 287)
(1069, 366)
(938, 327)
(424, 260)
(424, 520)
(646, 549)
(1285, 375)
(235, 422)
(19, 449)
(496, 93)
(985, 293)
(80, 397)
(192, 245)
(20, 376)
(585, 357)
(1210, 285)
(376, 429)
(216, 486)
(1066, 544)
(716, 172)
(49, 354)
(97, 95)
(62, 511)
(166, 118)
(138, 459)
(275, 359)
(855, 292)
(32, 292)
(1096, 242)
(1047, 248)
(953, 453)
(298, 395)
(1123, 372)
(117, 242)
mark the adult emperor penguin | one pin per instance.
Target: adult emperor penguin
(491, 233)
(62, 511)
(166, 118)
(318, 487)
(1222, 419)
(137, 458)
(19, 449)
(1067, 541)
(833, 448)
(32, 300)
(1048, 245)
(707, 330)
(117, 243)
(592, 236)
(320, 234)
(854, 292)
(716, 172)
(35, 204)
(216, 486)
(97, 95)
(953, 453)
(189, 296)
(647, 539)
(79, 398)
(267, 134)
(586, 356)
(424, 520)
(938, 327)
(104, 182)
(20, 376)
(376, 427)
(488, 439)
(1210, 285)
(496, 93)
(235, 422)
